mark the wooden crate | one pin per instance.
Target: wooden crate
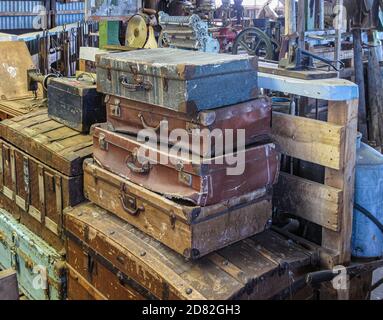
(330, 144)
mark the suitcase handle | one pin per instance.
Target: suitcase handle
(129, 203)
(145, 125)
(145, 168)
(139, 84)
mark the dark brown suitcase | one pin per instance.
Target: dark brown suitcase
(190, 230)
(189, 178)
(117, 260)
(128, 116)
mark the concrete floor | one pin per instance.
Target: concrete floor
(377, 294)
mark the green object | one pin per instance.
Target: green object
(109, 33)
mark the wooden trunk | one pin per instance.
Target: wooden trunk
(75, 102)
(19, 107)
(181, 80)
(183, 176)
(49, 141)
(189, 230)
(40, 269)
(38, 182)
(111, 259)
(254, 116)
(37, 191)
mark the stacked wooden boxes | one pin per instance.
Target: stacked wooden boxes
(185, 202)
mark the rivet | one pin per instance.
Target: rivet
(189, 291)
(142, 253)
(112, 232)
(225, 263)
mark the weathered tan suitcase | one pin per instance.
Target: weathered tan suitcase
(201, 181)
(182, 80)
(254, 116)
(111, 259)
(190, 230)
(44, 178)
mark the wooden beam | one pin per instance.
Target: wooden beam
(343, 113)
(310, 140)
(8, 285)
(310, 200)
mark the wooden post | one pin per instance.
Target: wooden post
(290, 17)
(359, 80)
(343, 113)
(301, 23)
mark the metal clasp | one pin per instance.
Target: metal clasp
(103, 144)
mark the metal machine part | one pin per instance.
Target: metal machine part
(186, 32)
(34, 77)
(140, 33)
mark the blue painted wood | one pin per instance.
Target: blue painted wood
(181, 80)
(325, 89)
(33, 259)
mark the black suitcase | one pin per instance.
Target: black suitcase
(75, 102)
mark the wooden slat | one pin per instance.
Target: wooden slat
(310, 140)
(312, 201)
(343, 113)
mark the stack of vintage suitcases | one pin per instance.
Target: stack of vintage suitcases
(183, 167)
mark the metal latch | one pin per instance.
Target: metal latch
(115, 108)
(103, 144)
(183, 177)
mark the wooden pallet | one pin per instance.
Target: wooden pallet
(330, 144)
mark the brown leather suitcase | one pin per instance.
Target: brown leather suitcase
(114, 260)
(41, 172)
(188, 229)
(128, 116)
(201, 181)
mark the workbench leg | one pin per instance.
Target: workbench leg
(343, 113)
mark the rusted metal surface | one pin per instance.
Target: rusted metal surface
(256, 268)
(190, 230)
(128, 116)
(201, 181)
(181, 80)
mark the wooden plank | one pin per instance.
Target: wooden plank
(343, 113)
(307, 139)
(328, 89)
(8, 285)
(312, 201)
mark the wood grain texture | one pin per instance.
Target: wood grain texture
(49, 141)
(248, 269)
(312, 201)
(343, 113)
(310, 140)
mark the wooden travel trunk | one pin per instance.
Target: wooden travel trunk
(19, 107)
(189, 230)
(46, 177)
(41, 271)
(182, 80)
(110, 259)
(254, 116)
(75, 102)
(181, 176)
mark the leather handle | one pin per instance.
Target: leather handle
(138, 85)
(129, 202)
(146, 126)
(145, 168)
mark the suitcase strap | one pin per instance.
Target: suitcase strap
(122, 277)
